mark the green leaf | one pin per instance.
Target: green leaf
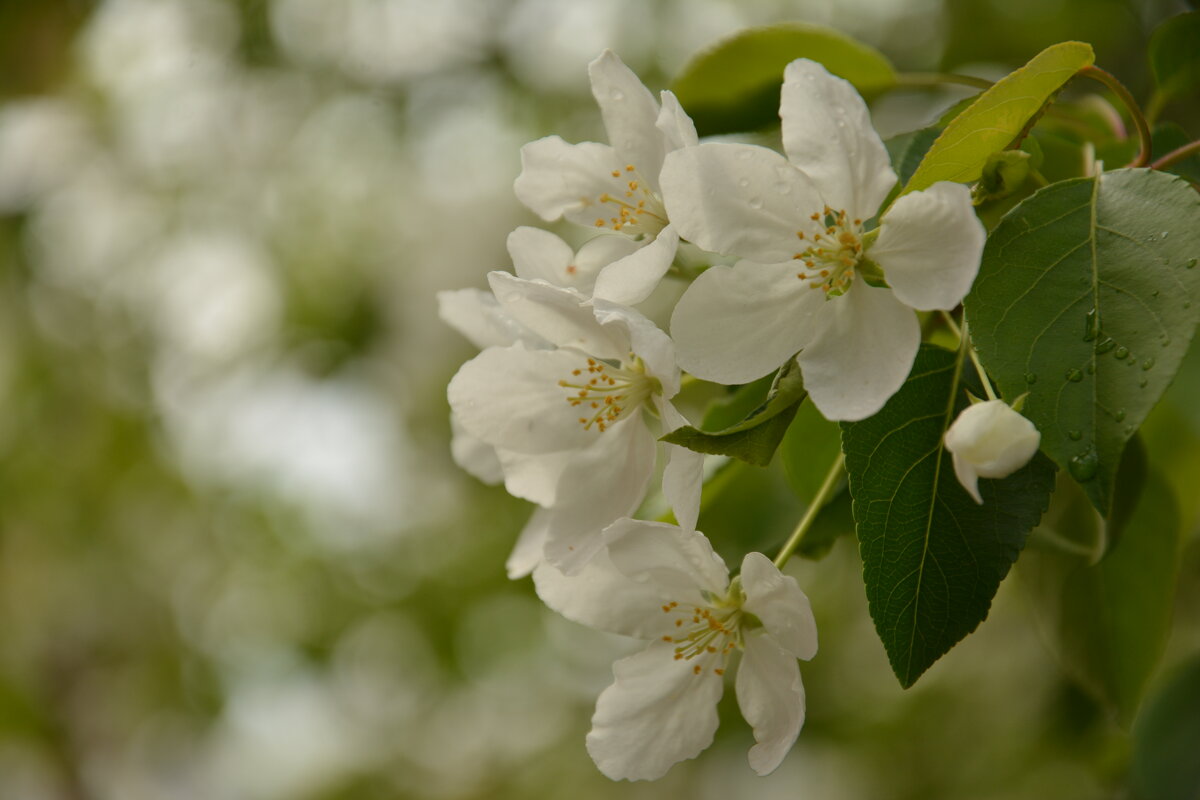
(734, 85)
(1085, 300)
(932, 557)
(1175, 55)
(1164, 764)
(998, 116)
(1109, 621)
(754, 439)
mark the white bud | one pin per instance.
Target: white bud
(990, 440)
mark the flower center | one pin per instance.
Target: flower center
(633, 209)
(608, 392)
(706, 634)
(831, 258)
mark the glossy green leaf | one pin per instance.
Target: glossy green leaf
(932, 557)
(1086, 299)
(1108, 621)
(734, 85)
(755, 438)
(1164, 764)
(998, 116)
(1175, 55)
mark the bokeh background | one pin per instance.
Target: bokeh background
(236, 560)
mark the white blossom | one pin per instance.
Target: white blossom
(802, 225)
(574, 424)
(614, 187)
(990, 440)
(666, 585)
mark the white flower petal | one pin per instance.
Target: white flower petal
(827, 133)
(968, 478)
(736, 324)
(862, 349)
(602, 483)
(527, 553)
(473, 454)
(656, 713)
(602, 597)
(566, 180)
(676, 126)
(600, 251)
(558, 314)
(771, 697)
(629, 113)
(476, 315)
(784, 609)
(510, 398)
(739, 199)
(929, 246)
(534, 477)
(646, 340)
(630, 280)
(683, 477)
(540, 255)
(682, 562)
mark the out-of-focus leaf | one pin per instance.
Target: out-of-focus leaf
(734, 85)
(998, 116)
(1168, 136)
(1109, 621)
(1164, 765)
(1085, 300)
(806, 453)
(755, 438)
(932, 557)
(1175, 55)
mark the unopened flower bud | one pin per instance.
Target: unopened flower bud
(990, 440)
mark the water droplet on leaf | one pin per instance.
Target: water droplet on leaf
(1142, 383)
(1148, 363)
(1091, 326)
(1120, 415)
(1074, 375)
(1030, 377)
(1191, 262)
(1122, 353)
(1074, 436)
(1104, 345)
(1083, 467)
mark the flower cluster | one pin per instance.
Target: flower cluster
(574, 386)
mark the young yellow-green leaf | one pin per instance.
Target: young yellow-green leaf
(755, 438)
(998, 116)
(932, 557)
(1087, 299)
(734, 85)
(1175, 55)
(1109, 621)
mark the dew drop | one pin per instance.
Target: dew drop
(1191, 262)
(745, 155)
(1165, 234)
(1154, 293)
(1091, 326)
(1074, 375)
(1104, 345)
(756, 202)
(1122, 353)
(1083, 466)
(1030, 377)
(1119, 416)
(783, 188)
(1074, 436)
(841, 123)
(1129, 429)
(1090, 369)
(1142, 383)
(1188, 304)
(617, 94)
(1148, 363)
(743, 182)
